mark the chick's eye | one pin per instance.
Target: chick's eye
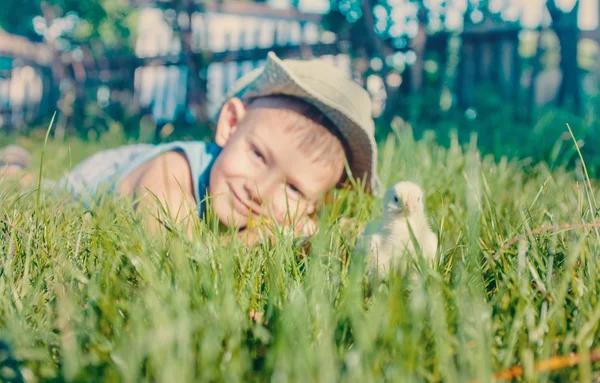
(396, 199)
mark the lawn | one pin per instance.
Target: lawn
(87, 295)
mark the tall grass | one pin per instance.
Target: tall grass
(86, 294)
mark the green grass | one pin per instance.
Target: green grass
(88, 295)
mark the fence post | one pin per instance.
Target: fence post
(5, 110)
(465, 74)
(516, 75)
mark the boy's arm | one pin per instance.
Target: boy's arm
(166, 180)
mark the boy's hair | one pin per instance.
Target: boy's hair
(316, 135)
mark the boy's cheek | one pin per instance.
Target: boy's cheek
(308, 229)
(292, 218)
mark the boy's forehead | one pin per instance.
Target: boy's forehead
(272, 120)
(272, 130)
(271, 107)
(294, 109)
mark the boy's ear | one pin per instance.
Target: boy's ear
(231, 114)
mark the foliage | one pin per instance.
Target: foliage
(16, 16)
(75, 22)
(502, 132)
(86, 294)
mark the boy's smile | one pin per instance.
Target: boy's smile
(263, 170)
(242, 207)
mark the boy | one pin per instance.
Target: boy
(282, 138)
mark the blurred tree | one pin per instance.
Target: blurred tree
(16, 17)
(76, 32)
(196, 63)
(73, 20)
(377, 29)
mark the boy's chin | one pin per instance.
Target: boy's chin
(233, 219)
(242, 222)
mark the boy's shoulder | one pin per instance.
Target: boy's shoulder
(166, 168)
(194, 147)
(182, 161)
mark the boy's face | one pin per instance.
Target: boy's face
(262, 171)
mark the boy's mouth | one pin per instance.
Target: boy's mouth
(241, 206)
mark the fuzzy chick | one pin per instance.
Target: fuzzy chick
(403, 213)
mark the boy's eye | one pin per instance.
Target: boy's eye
(294, 190)
(258, 154)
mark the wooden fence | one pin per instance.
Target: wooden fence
(180, 75)
(24, 80)
(164, 82)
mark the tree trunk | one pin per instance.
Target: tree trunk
(565, 26)
(535, 71)
(56, 96)
(569, 92)
(466, 75)
(196, 93)
(418, 44)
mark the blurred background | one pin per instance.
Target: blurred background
(512, 71)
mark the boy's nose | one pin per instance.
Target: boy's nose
(260, 188)
(253, 192)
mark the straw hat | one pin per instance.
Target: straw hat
(342, 100)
